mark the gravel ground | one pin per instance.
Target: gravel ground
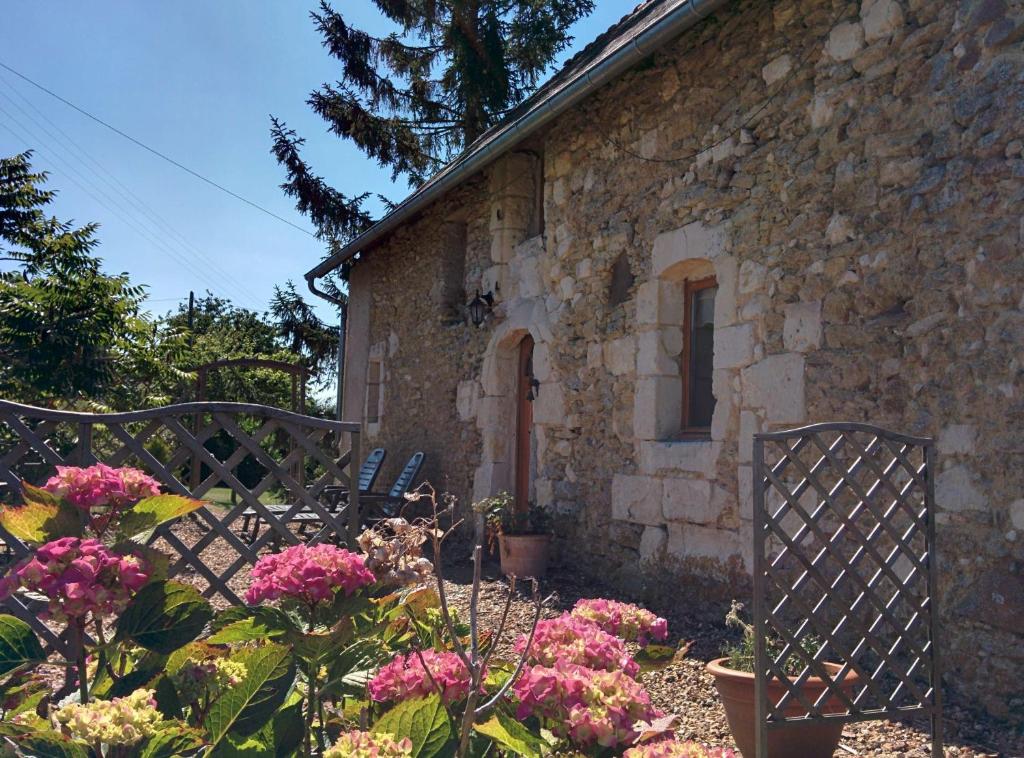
(684, 689)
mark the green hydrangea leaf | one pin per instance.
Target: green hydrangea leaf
(245, 708)
(149, 513)
(19, 646)
(423, 720)
(512, 735)
(41, 520)
(164, 616)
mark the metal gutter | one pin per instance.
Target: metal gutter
(661, 32)
(342, 319)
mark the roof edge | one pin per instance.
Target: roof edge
(674, 23)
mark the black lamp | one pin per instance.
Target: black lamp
(480, 306)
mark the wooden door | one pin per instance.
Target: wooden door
(525, 393)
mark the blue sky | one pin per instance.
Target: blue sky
(197, 81)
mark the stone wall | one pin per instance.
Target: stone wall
(853, 174)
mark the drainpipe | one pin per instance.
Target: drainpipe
(342, 317)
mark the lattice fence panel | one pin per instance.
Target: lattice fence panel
(844, 552)
(238, 457)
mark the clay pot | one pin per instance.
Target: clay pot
(524, 555)
(736, 689)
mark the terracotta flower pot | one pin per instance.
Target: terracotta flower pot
(736, 688)
(524, 555)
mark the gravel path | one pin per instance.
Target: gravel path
(684, 688)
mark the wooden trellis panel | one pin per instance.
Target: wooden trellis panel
(845, 573)
(293, 455)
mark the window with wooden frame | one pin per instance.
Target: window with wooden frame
(374, 382)
(698, 355)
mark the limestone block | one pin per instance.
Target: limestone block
(595, 355)
(691, 242)
(727, 275)
(491, 478)
(549, 405)
(542, 370)
(682, 457)
(957, 439)
(657, 407)
(466, 395)
(1017, 513)
(801, 331)
(636, 499)
(660, 303)
(839, 230)
(955, 491)
(653, 542)
(567, 287)
(750, 425)
(584, 268)
(497, 446)
(845, 41)
(821, 112)
(723, 418)
(880, 18)
(687, 500)
(734, 346)
(620, 355)
(776, 384)
(693, 541)
(752, 277)
(657, 352)
(493, 413)
(527, 274)
(777, 69)
(745, 491)
(544, 492)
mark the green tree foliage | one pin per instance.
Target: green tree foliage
(417, 97)
(68, 331)
(304, 333)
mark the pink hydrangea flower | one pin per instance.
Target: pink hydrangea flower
(79, 576)
(570, 639)
(625, 620)
(308, 573)
(101, 485)
(586, 706)
(405, 678)
(677, 749)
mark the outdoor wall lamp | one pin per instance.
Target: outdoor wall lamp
(481, 306)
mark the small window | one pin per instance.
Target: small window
(374, 380)
(452, 295)
(698, 355)
(536, 225)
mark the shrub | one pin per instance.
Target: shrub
(336, 654)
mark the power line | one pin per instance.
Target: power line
(73, 175)
(154, 151)
(188, 249)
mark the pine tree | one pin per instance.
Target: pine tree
(414, 99)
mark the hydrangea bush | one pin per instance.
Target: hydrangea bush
(335, 653)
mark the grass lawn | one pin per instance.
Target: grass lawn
(221, 496)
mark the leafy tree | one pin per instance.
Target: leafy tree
(304, 332)
(415, 98)
(68, 331)
(221, 331)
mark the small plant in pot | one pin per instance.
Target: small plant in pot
(523, 537)
(734, 679)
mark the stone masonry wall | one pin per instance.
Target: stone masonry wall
(853, 174)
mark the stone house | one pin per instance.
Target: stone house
(721, 218)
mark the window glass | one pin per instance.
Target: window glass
(373, 382)
(701, 348)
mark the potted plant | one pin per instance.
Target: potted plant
(734, 679)
(523, 537)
